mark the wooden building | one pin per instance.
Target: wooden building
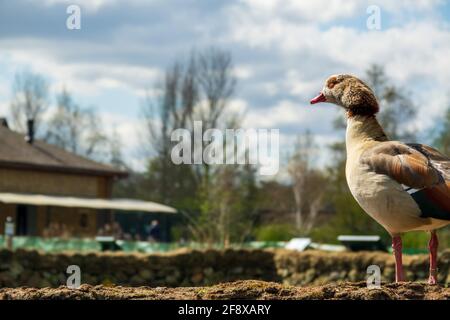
(33, 167)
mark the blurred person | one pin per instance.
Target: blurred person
(117, 230)
(137, 237)
(106, 230)
(64, 231)
(154, 233)
(127, 237)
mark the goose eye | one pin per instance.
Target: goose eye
(332, 82)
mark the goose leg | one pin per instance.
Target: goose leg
(397, 248)
(432, 247)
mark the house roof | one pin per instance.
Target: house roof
(130, 205)
(15, 152)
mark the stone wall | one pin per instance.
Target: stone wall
(195, 268)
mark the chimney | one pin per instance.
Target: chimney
(4, 123)
(30, 131)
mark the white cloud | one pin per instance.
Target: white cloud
(243, 72)
(270, 88)
(297, 85)
(128, 130)
(4, 90)
(88, 78)
(238, 106)
(4, 109)
(319, 11)
(90, 5)
(288, 113)
(406, 5)
(415, 54)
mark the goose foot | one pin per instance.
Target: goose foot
(432, 279)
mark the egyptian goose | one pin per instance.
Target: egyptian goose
(404, 187)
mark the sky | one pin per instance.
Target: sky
(282, 53)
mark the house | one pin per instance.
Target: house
(42, 185)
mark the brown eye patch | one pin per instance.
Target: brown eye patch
(332, 82)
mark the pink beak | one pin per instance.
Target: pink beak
(319, 98)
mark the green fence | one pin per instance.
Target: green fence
(58, 244)
(86, 245)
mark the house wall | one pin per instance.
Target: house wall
(79, 222)
(51, 183)
(61, 184)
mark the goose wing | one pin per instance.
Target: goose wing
(423, 171)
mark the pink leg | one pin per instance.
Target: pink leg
(432, 247)
(397, 247)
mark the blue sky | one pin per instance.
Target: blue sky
(282, 52)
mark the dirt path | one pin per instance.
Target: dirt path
(248, 289)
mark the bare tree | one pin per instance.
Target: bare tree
(298, 169)
(76, 129)
(305, 181)
(216, 85)
(199, 90)
(116, 155)
(170, 109)
(30, 99)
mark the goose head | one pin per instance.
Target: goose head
(350, 93)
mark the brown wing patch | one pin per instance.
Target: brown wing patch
(430, 152)
(403, 164)
(438, 160)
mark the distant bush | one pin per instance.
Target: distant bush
(275, 232)
(416, 240)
